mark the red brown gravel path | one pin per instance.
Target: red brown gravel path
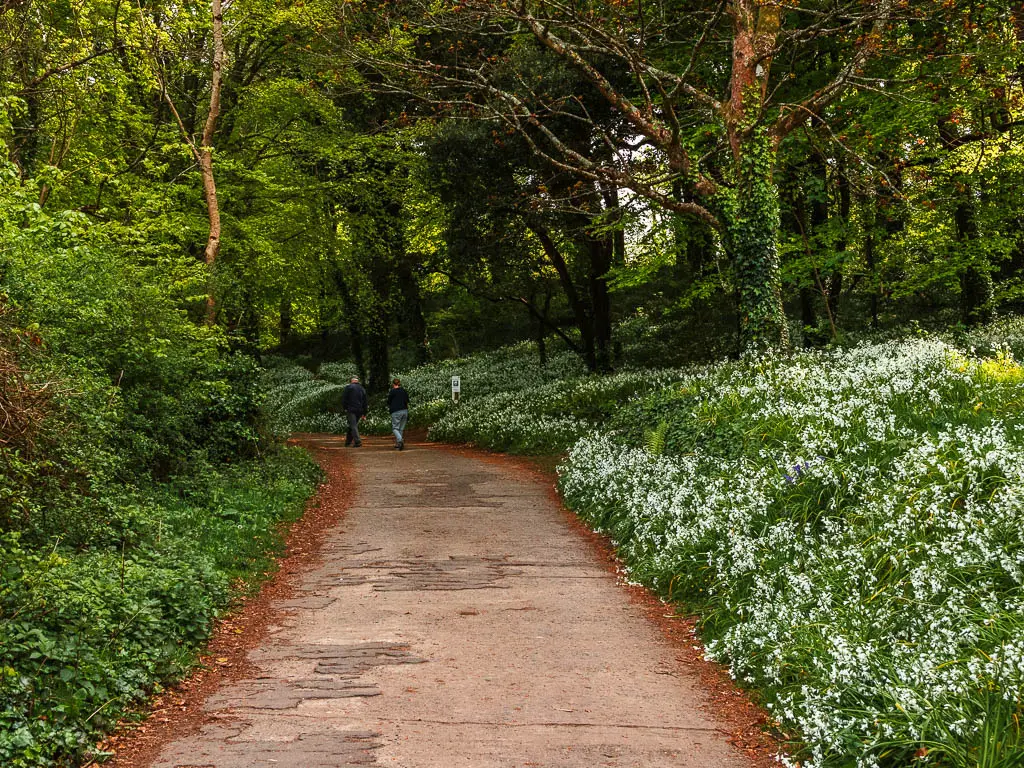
(457, 616)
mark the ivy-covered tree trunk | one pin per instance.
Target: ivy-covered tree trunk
(752, 219)
(752, 228)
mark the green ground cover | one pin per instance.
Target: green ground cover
(87, 633)
(849, 524)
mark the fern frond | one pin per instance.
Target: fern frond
(654, 439)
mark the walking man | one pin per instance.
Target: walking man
(356, 406)
(398, 404)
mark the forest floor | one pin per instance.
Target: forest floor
(439, 607)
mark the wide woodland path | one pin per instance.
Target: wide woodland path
(456, 618)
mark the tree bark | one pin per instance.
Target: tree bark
(601, 252)
(205, 157)
(579, 308)
(753, 230)
(203, 152)
(542, 347)
(285, 325)
(976, 287)
(384, 244)
(869, 263)
(835, 287)
(610, 194)
(349, 303)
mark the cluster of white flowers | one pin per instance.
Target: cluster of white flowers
(303, 404)
(546, 417)
(859, 556)
(1004, 334)
(515, 367)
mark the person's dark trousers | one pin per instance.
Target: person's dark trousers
(353, 429)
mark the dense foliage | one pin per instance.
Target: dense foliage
(139, 488)
(86, 633)
(133, 504)
(373, 204)
(213, 213)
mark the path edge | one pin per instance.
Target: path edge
(178, 711)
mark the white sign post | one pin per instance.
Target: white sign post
(456, 388)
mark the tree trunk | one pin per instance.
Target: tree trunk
(349, 303)
(976, 287)
(412, 307)
(693, 240)
(611, 204)
(798, 212)
(601, 251)
(869, 263)
(285, 325)
(542, 347)
(249, 321)
(385, 250)
(835, 285)
(205, 157)
(976, 292)
(752, 225)
(378, 358)
(579, 309)
(808, 317)
(753, 230)
(213, 240)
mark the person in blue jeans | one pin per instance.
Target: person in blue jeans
(398, 404)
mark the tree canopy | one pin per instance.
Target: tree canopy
(367, 179)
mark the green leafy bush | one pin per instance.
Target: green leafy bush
(132, 504)
(84, 634)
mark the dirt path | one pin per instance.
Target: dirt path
(456, 619)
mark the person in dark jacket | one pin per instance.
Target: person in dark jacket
(356, 406)
(398, 404)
